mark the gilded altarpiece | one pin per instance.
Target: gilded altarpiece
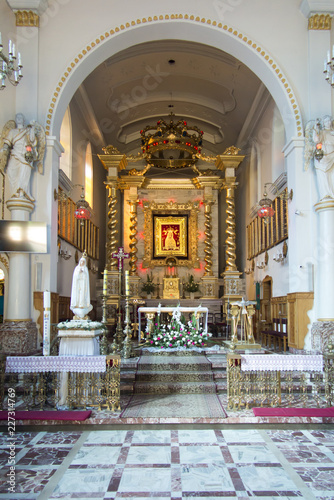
(171, 229)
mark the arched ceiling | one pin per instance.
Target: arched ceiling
(203, 85)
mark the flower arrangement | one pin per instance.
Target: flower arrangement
(148, 286)
(74, 324)
(176, 333)
(191, 285)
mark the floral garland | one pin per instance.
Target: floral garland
(176, 333)
(77, 324)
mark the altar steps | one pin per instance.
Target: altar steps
(176, 372)
(174, 387)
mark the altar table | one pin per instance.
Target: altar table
(167, 309)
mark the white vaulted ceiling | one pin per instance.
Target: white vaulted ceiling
(205, 86)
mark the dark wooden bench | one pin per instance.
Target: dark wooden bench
(277, 337)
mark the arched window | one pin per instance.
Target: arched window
(89, 175)
(65, 163)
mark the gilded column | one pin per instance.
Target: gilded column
(130, 184)
(210, 183)
(208, 237)
(113, 161)
(230, 250)
(112, 240)
(133, 236)
(228, 163)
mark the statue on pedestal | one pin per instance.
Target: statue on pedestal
(21, 148)
(80, 293)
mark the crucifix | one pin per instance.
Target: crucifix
(120, 256)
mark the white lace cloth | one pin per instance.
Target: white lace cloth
(279, 362)
(33, 364)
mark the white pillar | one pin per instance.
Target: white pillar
(324, 283)
(18, 308)
(302, 220)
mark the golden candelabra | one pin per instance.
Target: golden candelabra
(133, 238)
(208, 238)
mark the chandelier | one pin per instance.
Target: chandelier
(8, 67)
(329, 67)
(171, 144)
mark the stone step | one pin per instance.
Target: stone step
(174, 376)
(175, 388)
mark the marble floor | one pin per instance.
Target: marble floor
(168, 463)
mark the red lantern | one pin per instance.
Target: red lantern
(83, 211)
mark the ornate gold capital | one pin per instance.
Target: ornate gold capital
(27, 18)
(320, 22)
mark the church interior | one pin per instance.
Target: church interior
(166, 249)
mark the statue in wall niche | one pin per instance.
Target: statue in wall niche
(319, 145)
(80, 293)
(22, 148)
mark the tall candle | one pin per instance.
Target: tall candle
(105, 281)
(126, 283)
(46, 323)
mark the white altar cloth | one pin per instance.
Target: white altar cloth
(281, 362)
(79, 342)
(34, 364)
(147, 310)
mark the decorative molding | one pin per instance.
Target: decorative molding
(172, 17)
(320, 22)
(38, 6)
(4, 261)
(27, 18)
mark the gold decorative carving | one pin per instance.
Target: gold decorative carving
(135, 171)
(171, 288)
(232, 150)
(26, 18)
(111, 150)
(320, 22)
(190, 209)
(4, 261)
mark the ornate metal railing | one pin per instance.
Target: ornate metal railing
(262, 387)
(42, 389)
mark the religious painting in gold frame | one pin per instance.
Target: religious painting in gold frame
(181, 217)
(170, 236)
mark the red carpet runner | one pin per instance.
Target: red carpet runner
(48, 415)
(294, 412)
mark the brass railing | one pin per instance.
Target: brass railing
(246, 389)
(41, 390)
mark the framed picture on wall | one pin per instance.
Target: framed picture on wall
(170, 234)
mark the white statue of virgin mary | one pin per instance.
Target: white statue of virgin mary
(80, 294)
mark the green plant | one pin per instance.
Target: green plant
(191, 285)
(149, 286)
